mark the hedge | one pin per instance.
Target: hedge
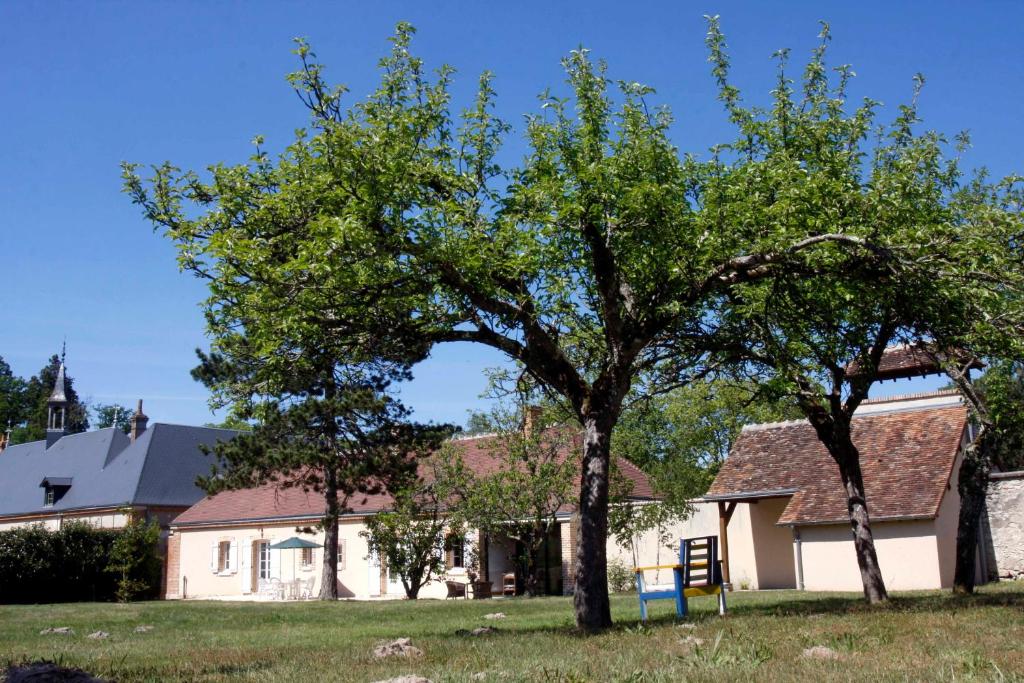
(78, 563)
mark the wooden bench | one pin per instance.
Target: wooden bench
(698, 573)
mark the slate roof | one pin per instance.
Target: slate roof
(907, 448)
(271, 502)
(107, 470)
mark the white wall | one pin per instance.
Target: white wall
(907, 553)
(359, 577)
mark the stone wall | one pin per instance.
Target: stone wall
(1006, 525)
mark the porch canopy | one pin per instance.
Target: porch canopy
(727, 505)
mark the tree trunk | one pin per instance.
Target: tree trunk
(848, 458)
(329, 575)
(590, 595)
(412, 585)
(972, 485)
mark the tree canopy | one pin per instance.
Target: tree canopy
(605, 263)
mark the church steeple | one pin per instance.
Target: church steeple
(57, 407)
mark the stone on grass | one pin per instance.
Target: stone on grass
(495, 615)
(692, 640)
(143, 629)
(820, 652)
(44, 672)
(478, 631)
(60, 631)
(98, 635)
(687, 625)
(401, 647)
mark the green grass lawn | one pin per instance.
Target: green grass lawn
(919, 636)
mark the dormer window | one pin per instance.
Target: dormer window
(54, 489)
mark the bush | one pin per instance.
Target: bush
(621, 577)
(71, 564)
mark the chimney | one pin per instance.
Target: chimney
(531, 420)
(138, 422)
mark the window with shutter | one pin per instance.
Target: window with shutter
(224, 556)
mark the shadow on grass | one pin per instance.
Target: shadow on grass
(846, 605)
(767, 604)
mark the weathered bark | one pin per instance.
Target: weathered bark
(329, 574)
(972, 486)
(590, 596)
(848, 459)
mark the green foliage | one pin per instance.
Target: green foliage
(12, 397)
(681, 438)
(71, 564)
(36, 392)
(231, 422)
(605, 263)
(112, 415)
(410, 537)
(518, 499)
(135, 561)
(1001, 388)
(620, 577)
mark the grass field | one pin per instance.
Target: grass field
(920, 636)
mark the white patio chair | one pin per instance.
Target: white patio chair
(306, 592)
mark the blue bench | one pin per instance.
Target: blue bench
(699, 572)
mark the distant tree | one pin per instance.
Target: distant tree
(409, 538)
(478, 423)
(112, 415)
(12, 398)
(37, 392)
(135, 559)
(682, 437)
(519, 499)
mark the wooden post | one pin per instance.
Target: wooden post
(725, 511)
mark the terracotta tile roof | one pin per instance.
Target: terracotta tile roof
(907, 454)
(271, 502)
(900, 362)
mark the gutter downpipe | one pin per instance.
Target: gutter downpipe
(799, 555)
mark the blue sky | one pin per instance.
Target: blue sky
(84, 86)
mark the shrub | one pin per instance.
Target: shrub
(620, 577)
(71, 564)
(134, 561)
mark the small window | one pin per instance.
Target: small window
(456, 552)
(224, 556)
(341, 555)
(49, 498)
(307, 557)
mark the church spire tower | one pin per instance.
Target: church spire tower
(57, 407)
